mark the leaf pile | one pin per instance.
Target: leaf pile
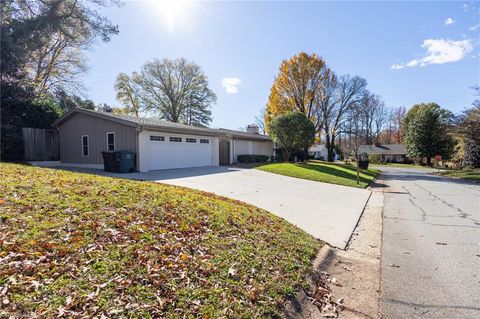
(324, 299)
(83, 246)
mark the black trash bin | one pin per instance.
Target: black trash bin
(109, 162)
(125, 161)
(363, 164)
(363, 161)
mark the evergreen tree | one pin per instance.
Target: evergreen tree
(426, 132)
(471, 132)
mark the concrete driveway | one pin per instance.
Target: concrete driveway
(328, 212)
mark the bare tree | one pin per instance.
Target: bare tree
(373, 116)
(387, 137)
(260, 120)
(60, 30)
(128, 92)
(400, 113)
(177, 90)
(337, 97)
(59, 64)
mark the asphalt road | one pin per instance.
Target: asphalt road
(430, 265)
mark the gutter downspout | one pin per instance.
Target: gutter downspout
(233, 150)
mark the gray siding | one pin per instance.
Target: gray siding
(71, 132)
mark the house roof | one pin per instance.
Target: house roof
(157, 124)
(317, 148)
(383, 149)
(245, 135)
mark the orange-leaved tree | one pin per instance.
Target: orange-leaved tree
(297, 86)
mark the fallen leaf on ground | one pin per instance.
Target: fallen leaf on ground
(324, 300)
(335, 282)
(231, 271)
(394, 266)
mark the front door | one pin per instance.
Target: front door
(224, 152)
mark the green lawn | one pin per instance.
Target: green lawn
(401, 165)
(78, 245)
(342, 174)
(469, 174)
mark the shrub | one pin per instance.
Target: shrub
(19, 109)
(292, 132)
(301, 155)
(375, 158)
(247, 158)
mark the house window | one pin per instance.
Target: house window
(157, 138)
(85, 150)
(175, 139)
(191, 140)
(111, 141)
(204, 141)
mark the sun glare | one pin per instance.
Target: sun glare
(173, 11)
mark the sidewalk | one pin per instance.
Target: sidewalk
(354, 273)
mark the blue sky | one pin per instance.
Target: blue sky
(409, 52)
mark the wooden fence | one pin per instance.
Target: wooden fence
(41, 144)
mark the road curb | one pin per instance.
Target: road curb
(300, 306)
(324, 257)
(358, 221)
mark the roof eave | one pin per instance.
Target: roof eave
(179, 130)
(74, 111)
(256, 138)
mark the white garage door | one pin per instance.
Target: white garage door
(166, 151)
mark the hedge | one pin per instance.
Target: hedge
(252, 158)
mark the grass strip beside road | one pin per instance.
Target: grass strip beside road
(333, 173)
(466, 173)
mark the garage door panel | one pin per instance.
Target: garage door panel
(164, 154)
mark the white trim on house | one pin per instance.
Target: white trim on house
(108, 144)
(83, 147)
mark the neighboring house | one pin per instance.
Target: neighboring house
(159, 144)
(388, 152)
(320, 152)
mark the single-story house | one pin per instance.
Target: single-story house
(320, 152)
(159, 144)
(388, 152)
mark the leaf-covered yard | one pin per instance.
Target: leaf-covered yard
(333, 173)
(78, 245)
